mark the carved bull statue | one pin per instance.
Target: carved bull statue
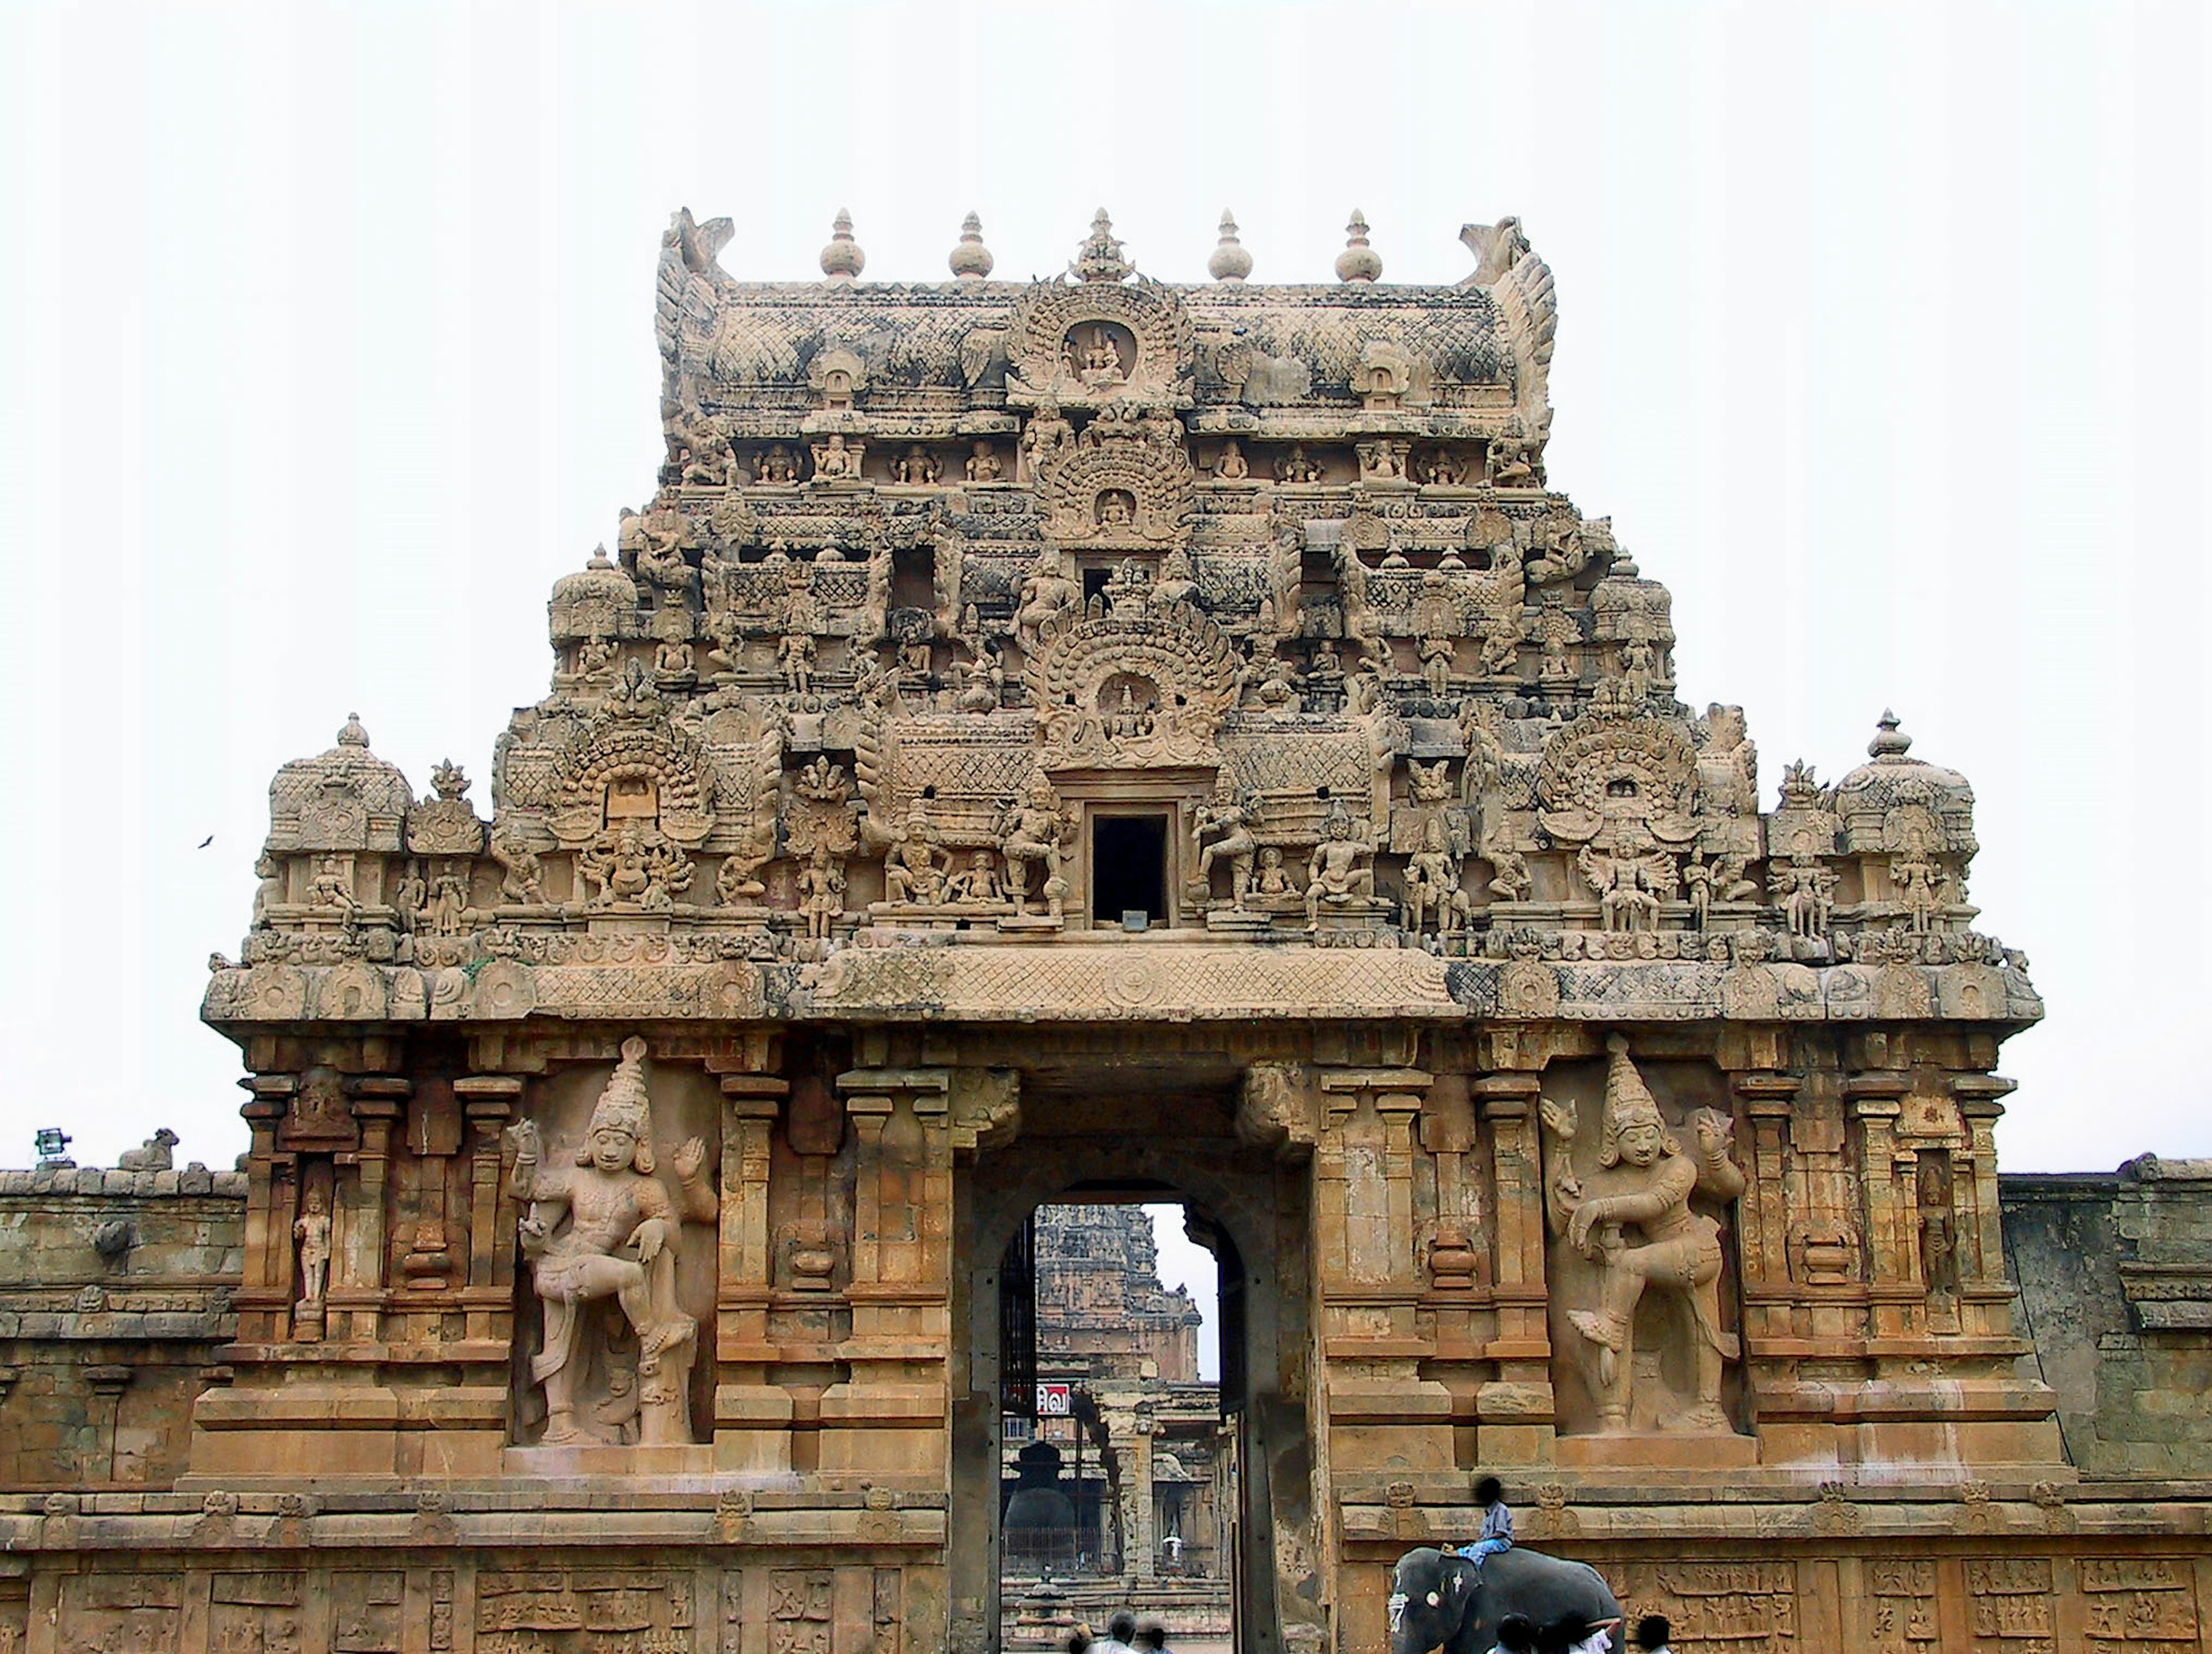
(1440, 1600)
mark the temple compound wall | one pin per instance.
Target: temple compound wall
(1095, 739)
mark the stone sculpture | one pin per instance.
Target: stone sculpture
(1633, 1219)
(606, 1229)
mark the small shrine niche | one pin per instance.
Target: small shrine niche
(634, 796)
(1100, 353)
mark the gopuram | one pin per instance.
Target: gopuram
(1085, 741)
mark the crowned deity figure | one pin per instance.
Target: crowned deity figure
(1634, 1222)
(606, 1228)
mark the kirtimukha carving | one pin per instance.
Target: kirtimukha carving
(603, 1230)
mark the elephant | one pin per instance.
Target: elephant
(1440, 1600)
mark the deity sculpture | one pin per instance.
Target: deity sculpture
(521, 873)
(333, 887)
(913, 869)
(1231, 466)
(1341, 868)
(1042, 440)
(447, 911)
(1515, 458)
(779, 467)
(673, 658)
(1808, 891)
(1044, 594)
(822, 893)
(1634, 1221)
(737, 879)
(1631, 877)
(410, 896)
(834, 462)
(313, 1233)
(917, 467)
(1031, 832)
(1919, 884)
(1295, 467)
(271, 889)
(794, 655)
(1446, 470)
(620, 1240)
(1231, 817)
(982, 464)
(1274, 879)
(1433, 885)
(975, 885)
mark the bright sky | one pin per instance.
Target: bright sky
(325, 347)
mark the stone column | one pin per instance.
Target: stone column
(356, 1288)
(1515, 1408)
(265, 1295)
(890, 1419)
(1976, 1219)
(488, 1102)
(1380, 1410)
(1893, 1242)
(752, 1415)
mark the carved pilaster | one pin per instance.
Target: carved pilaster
(1892, 1252)
(488, 1103)
(889, 1419)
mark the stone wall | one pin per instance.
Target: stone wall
(2115, 1274)
(115, 1293)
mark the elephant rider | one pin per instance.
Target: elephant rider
(1496, 1523)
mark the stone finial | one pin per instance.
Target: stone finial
(599, 557)
(1358, 262)
(842, 259)
(971, 260)
(1230, 263)
(353, 734)
(1101, 259)
(1889, 740)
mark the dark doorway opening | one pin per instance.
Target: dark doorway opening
(1128, 868)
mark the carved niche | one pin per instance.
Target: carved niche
(1135, 684)
(1084, 344)
(631, 762)
(1126, 482)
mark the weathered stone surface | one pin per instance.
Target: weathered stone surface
(1094, 739)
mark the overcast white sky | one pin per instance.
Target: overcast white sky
(325, 347)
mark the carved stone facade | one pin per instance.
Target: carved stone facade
(1099, 733)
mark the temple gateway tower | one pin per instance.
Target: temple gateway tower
(1104, 739)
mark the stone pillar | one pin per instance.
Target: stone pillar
(356, 1287)
(752, 1415)
(1980, 1224)
(488, 1102)
(888, 1422)
(1514, 1409)
(1381, 1412)
(265, 1295)
(1765, 1212)
(1893, 1244)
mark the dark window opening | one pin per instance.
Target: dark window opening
(1128, 868)
(1094, 582)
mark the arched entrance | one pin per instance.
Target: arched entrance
(1250, 1211)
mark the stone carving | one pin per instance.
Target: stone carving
(1634, 1221)
(1228, 821)
(312, 1231)
(606, 1229)
(1033, 834)
(1340, 871)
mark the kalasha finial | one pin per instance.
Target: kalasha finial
(971, 260)
(1230, 263)
(1889, 740)
(842, 259)
(599, 557)
(1100, 258)
(1358, 262)
(353, 734)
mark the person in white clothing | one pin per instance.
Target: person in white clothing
(1652, 1633)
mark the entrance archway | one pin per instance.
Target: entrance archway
(1240, 1199)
